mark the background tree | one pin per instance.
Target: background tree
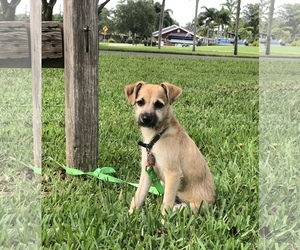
(101, 6)
(9, 9)
(223, 19)
(47, 9)
(289, 15)
(263, 15)
(206, 18)
(168, 20)
(230, 5)
(106, 19)
(138, 17)
(251, 19)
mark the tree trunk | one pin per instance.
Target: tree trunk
(207, 35)
(237, 27)
(195, 25)
(9, 9)
(47, 13)
(270, 18)
(161, 23)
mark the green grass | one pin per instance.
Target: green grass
(279, 154)
(281, 51)
(243, 51)
(20, 196)
(218, 108)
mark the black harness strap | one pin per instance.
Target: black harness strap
(152, 142)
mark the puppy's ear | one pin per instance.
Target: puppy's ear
(132, 90)
(172, 91)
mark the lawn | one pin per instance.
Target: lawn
(243, 51)
(281, 51)
(219, 110)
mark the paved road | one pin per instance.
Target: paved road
(174, 55)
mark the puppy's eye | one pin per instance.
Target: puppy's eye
(140, 102)
(158, 105)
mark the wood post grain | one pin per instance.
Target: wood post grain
(81, 81)
(36, 66)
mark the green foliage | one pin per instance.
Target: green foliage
(251, 19)
(138, 17)
(105, 19)
(289, 16)
(255, 43)
(246, 33)
(296, 43)
(219, 110)
(282, 33)
(168, 20)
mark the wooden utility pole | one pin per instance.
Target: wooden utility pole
(81, 78)
(195, 25)
(36, 66)
(236, 37)
(161, 23)
(270, 19)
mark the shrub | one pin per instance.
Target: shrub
(111, 40)
(255, 43)
(296, 43)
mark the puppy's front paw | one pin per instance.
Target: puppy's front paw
(130, 211)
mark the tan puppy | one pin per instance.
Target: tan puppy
(178, 162)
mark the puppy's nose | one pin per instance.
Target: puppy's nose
(147, 120)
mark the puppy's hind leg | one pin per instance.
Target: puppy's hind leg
(141, 192)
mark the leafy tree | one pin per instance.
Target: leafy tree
(101, 6)
(263, 15)
(222, 18)
(9, 9)
(138, 17)
(168, 20)
(251, 18)
(230, 5)
(289, 15)
(47, 9)
(106, 19)
(206, 18)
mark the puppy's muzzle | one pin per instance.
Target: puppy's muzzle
(147, 120)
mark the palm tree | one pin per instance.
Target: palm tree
(223, 19)
(231, 5)
(206, 18)
(168, 20)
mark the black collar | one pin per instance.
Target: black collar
(152, 142)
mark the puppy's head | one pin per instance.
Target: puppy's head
(151, 102)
